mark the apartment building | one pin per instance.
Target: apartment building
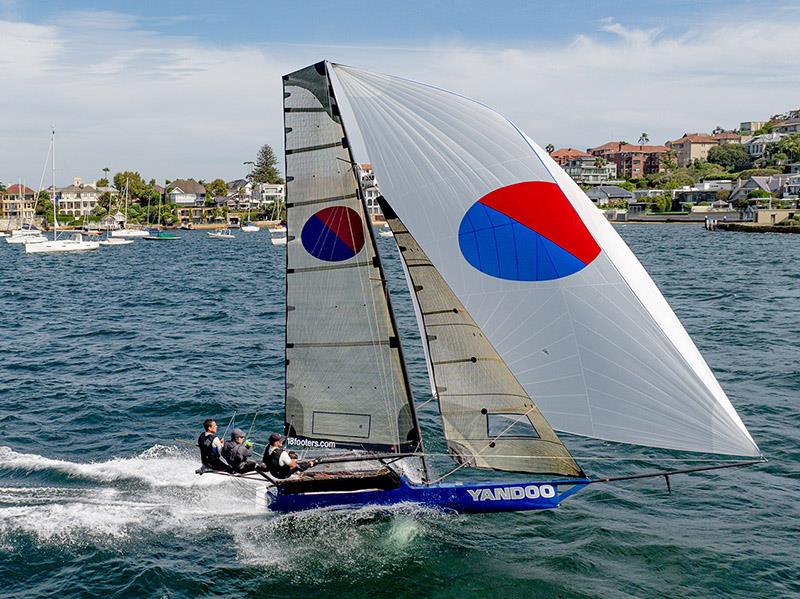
(632, 161)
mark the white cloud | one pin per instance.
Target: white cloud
(123, 96)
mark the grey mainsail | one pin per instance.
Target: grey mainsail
(346, 384)
(489, 419)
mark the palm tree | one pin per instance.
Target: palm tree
(550, 148)
(600, 162)
(643, 139)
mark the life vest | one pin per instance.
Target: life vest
(208, 453)
(274, 464)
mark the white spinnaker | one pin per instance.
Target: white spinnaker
(600, 351)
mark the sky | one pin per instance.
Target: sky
(177, 89)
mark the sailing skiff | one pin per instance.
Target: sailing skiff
(535, 316)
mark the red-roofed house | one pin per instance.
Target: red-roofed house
(695, 146)
(633, 161)
(17, 202)
(563, 155)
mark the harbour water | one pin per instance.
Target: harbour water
(107, 358)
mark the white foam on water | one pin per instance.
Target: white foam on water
(160, 465)
(156, 493)
(316, 541)
(167, 497)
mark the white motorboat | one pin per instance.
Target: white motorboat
(3, 234)
(221, 234)
(385, 231)
(26, 239)
(75, 244)
(116, 241)
(122, 233)
(250, 228)
(278, 236)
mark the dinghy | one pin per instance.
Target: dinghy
(222, 234)
(533, 313)
(277, 235)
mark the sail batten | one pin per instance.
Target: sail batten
(562, 299)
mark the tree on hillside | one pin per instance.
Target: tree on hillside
(217, 187)
(265, 169)
(790, 146)
(2, 186)
(135, 183)
(643, 139)
(733, 157)
(105, 201)
(550, 148)
(669, 160)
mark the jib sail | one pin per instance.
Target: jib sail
(489, 419)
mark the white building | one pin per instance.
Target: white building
(77, 199)
(370, 187)
(757, 145)
(585, 170)
(186, 192)
(271, 193)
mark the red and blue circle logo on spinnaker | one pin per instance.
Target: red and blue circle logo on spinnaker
(333, 234)
(526, 232)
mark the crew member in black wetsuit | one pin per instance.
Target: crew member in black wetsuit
(237, 453)
(210, 449)
(280, 462)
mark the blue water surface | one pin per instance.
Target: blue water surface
(107, 358)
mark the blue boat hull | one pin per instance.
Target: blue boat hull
(460, 497)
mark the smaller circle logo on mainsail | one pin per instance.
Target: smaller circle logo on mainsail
(333, 234)
(526, 232)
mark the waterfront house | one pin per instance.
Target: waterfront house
(776, 185)
(757, 145)
(17, 204)
(591, 170)
(602, 195)
(704, 191)
(632, 161)
(194, 215)
(77, 200)
(186, 192)
(642, 197)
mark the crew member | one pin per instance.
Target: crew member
(210, 448)
(237, 453)
(280, 462)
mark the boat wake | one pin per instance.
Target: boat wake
(156, 496)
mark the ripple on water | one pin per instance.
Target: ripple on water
(109, 357)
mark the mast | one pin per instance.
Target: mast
(55, 201)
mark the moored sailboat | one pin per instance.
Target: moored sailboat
(533, 313)
(75, 243)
